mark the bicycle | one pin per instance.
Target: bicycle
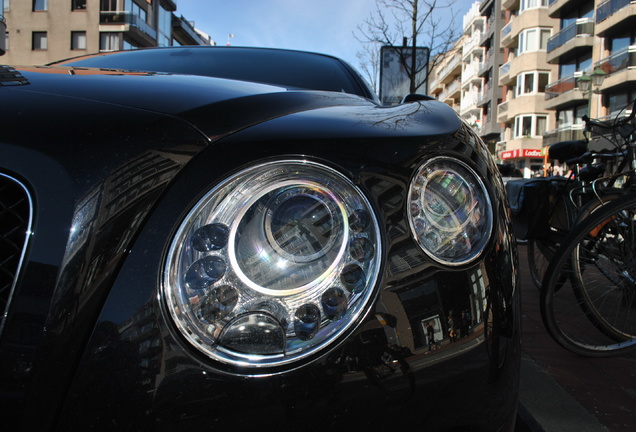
(556, 204)
(588, 296)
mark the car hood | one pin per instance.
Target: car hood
(219, 107)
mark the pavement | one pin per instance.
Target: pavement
(561, 391)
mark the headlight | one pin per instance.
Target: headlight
(273, 264)
(450, 213)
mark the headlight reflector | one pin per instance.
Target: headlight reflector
(273, 264)
(450, 212)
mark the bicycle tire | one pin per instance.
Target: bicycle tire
(588, 296)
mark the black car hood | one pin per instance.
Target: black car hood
(219, 107)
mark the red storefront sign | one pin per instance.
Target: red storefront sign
(527, 153)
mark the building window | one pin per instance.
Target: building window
(618, 102)
(579, 64)
(109, 41)
(531, 82)
(40, 41)
(571, 116)
(532, 4)
(7, 5)
(164, 27)
(40, 5)
(136, 10)
(535, 39)
(78, 40)
(530, 125)
(108, 6)
(78, 4)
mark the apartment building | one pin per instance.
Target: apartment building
(490, 97)
(467, 77)
(42, 31)
(596, 39)
(445, 78)
(524, 77)
(472, 57)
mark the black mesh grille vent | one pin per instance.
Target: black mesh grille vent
(15, 221)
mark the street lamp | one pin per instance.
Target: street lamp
(590, 84)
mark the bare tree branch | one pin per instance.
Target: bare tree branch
(413, 24)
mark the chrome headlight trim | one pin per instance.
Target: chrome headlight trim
(449, 211)
(273, 265)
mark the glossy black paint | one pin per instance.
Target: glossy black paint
(286, 68)
(88, 342)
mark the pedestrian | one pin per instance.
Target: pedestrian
(431, 336)
(463, 325)
(452, 333)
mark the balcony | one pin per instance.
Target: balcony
(506, 35)
(614, 16)
(488, 31)
(472, 45)
(450, 70)
(575, 39)
(555, 7)
(468, 104)
(565, 133)
(453, 89)
(620, 68)
(510, 4)
(484, 68)
(502, 112)
(184, 31)
(504, 71)
(484, 98)
(470, 74)
(134, 24)
(490, 129)
(564, 93)
(450, 93)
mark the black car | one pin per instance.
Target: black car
(264, 246)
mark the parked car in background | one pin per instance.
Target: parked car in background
(265, 246)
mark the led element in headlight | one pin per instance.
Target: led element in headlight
(450, 212)
(273, 264)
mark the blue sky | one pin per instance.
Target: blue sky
(324, 26)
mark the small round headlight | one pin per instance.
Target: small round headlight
(450, 212)
(273, 265)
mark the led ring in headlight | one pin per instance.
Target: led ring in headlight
(273, 264)
(450, 212)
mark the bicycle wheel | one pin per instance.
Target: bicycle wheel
(588, 296)
(541, 250)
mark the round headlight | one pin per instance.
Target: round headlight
(450, 213)
(273, 264)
